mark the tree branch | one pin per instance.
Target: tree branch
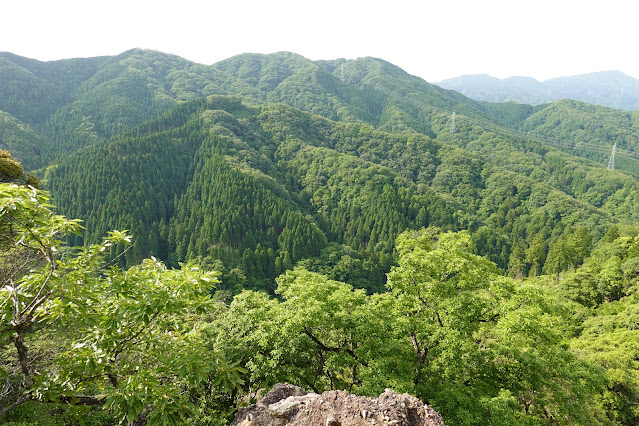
(323, 347)
(118, 256)
(46, 251)
(37, 300)
(491, 319)
(82, 399)
(23, 357)
(120, 347)
(428, 305)
(421, 355)
(21, 399)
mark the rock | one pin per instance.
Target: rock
(281, 391)
(290, 405)
(332, 421)
(284, 408)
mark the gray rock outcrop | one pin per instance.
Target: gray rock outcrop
(290, 405)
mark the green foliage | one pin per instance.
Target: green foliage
(608, 275)
(588, 131)
(12, 171)
(480, 338)
(35, 413)
(476, 345)
(610, 339)
(456, 190)
(261, 188)
(135, 340)
(323, 335)
(149, 342)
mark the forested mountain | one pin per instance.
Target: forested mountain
(589, 131)
(261, 187)
(20, 139)
(266, 163)
(74, 103)
(612, 89)
(105, 96)
(497, 253)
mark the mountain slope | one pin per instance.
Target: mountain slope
(588, 131)
(19, 139)
(85, 101)
(261, 187)
(249, 181)
(109, 95)
(32, 90)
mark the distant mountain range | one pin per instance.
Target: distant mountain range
(612, 89)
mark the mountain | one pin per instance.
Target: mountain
(263, 161)
(84, 101)
(588, 130)
(106, 96)
(19, 139)
(260, 187)
(483, 87)
(612, 89)
(508, 247)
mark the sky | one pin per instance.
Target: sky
(434, 40)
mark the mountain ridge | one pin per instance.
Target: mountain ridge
(612, 89)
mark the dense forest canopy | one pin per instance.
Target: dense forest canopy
(343, 204)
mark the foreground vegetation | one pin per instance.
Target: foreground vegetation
(160, 345)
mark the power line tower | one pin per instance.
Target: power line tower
(611, 162)
(342, 72)
(452, 124)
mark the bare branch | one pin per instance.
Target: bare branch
(323, 347)
(118, 256)
(82, 399)
(20, 400)
(37, 300)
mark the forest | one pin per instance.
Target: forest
(330, 224)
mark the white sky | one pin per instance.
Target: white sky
(432, 39)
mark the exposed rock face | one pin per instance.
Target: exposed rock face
(290, 405)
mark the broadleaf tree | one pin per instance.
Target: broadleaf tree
(133, 339)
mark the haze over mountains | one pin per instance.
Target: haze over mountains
(612, 89)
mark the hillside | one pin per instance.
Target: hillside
(611, 89)
(101, 97)
(370, 230)
(448, 176)
(376, 121)
(75, 103)
(261, 187)
(19, 139)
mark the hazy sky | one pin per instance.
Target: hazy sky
(432, 39)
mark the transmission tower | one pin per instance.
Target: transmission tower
(452, 125)
(342, 72)
(611, 162)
